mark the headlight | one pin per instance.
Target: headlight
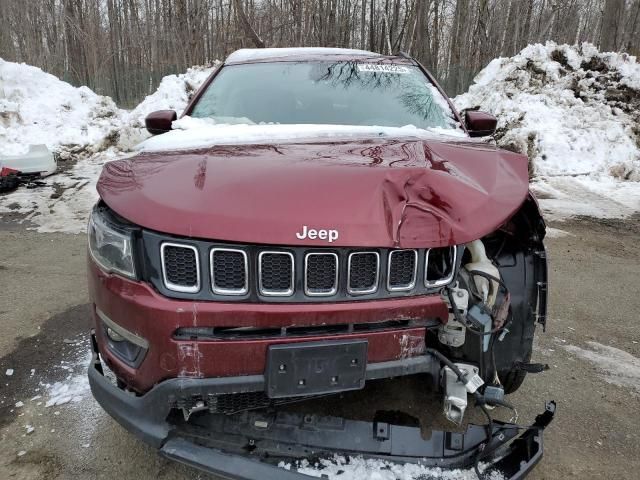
(110, 246)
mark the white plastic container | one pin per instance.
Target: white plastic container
(38, 160)
(481, 263)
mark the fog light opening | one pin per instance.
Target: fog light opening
(113, 335)
(126, 345)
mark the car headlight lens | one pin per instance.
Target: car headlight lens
(110, 246)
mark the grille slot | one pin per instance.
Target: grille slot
(363, 272)
(440, 266)
(250, 333)
(401, 273)
(180, 267)
(229, 271)
(321, 274)
(276, 273)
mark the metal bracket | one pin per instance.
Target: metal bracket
(544, 419)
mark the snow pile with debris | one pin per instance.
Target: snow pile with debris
(39, 108)
(617, 366)
(173, 93)
(80, 126)
(64, 203)
(575, 112)
(357, 468)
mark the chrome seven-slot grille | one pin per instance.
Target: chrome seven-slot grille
(300, 273)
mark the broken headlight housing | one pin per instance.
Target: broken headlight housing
(110, 244)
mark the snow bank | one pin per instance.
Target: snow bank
(191, 132)
(38, 108)
(576, 113)
(572, 109)
(173, 93)
(76, 124)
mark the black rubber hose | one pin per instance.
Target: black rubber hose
(460, 374)
(456, 312)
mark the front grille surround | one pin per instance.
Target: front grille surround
(163, 260)
(403, 286)
(269, 292)
(374, 285)
(453, 252)
(223, 290)
(321, 292)
(153, 272)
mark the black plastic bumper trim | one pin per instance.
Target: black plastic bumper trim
(145, 415)
(218, 443)
(222, 464)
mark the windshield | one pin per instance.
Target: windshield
(336, 93)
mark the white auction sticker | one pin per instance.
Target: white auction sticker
(382, 68)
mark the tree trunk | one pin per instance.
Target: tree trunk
(248, 29)
(611, 24)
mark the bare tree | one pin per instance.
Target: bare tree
(611, 24)
(123, 48)
(246, 25)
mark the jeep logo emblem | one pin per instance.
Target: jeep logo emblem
(312, 234)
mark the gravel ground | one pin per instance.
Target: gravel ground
(591, 344)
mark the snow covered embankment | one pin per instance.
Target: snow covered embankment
(83, 130)
(38, 108)
(576, 113)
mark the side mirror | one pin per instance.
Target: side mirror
(480, 124)
(160, 121)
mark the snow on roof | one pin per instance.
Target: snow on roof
(255, 54)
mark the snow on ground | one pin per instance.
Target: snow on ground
(59, 391)
(74, 387)
(557, 233)
(574, 111)
(38, 108)
(357, 468)
(616, 366)
(64, 203)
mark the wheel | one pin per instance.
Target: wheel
(513, 379)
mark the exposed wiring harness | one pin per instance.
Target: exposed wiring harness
(480, 401)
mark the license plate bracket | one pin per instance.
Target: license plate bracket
(315, 368)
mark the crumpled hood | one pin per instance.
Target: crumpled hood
(373, 192)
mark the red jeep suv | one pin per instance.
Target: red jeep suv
(316, 220)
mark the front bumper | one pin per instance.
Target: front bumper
(139, 309)
(249, 445)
